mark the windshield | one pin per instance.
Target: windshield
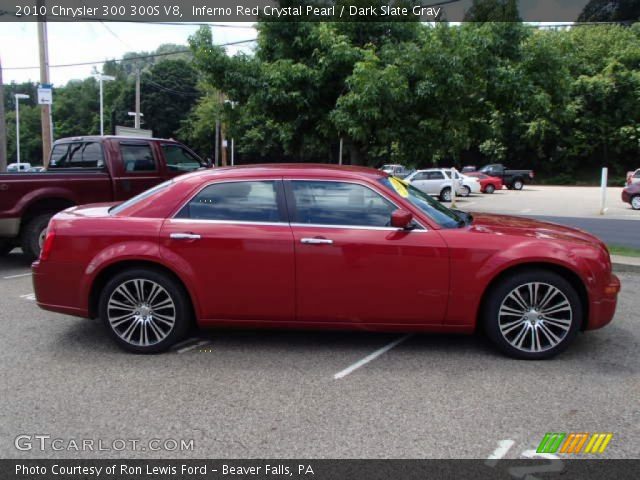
(440, 214)
(138, 198)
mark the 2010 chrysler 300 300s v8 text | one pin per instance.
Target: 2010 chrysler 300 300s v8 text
(303, 246)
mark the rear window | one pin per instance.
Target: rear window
(77, 155)
(138, 198)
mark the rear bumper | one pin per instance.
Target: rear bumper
(603, 309)
(57, 289)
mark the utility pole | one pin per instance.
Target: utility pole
(45, 110)
(137, 121)
(340, 153)
(3, 127)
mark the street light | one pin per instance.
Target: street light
(19, 96)
(103, 78)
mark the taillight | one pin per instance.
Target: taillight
(47, 246)
(532, 174)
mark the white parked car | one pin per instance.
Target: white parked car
(18, 167)
(435, 181)
(469, 184)
(399, 171)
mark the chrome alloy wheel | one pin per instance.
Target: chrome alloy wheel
(535, 317)
(635, 202)
(141, 312)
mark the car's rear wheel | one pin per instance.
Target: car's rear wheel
(5, 247)
(635, 202)
(490, 189)
(533, 315)
(33, 235)
(445, 194)
(145, 311)
(518, 184)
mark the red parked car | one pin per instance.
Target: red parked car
(487, 184)
(322, 247)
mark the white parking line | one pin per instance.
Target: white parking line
(29, 296)
(527, 210)
(370, 357)
(17, 276)
(188, 348)
(503, 447)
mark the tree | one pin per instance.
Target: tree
(493, 11)
(611, 11)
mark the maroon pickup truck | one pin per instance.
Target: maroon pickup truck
(84, 170)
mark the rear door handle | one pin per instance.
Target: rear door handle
(316, 241)
(185, 236)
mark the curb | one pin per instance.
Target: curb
(625, 268)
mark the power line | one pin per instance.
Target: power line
(126, 59)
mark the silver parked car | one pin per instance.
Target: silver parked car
(435, 181)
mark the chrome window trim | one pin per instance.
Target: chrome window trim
(229, 222)
(359, 227)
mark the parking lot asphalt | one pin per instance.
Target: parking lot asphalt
(270, 394)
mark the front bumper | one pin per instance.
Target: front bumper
(603, 309)
(626, 196)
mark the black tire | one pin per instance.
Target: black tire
(490, 189)
(5, 247)
(635, 202)
(547, 347)
(466, 191)
(445, 194)
(518, 184)
(181, 308)
(31, 235)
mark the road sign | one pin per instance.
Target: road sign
(45, 94)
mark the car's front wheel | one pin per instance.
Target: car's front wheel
(466, 191)
(445, 194)
(635, 202)
(532, 315)
(146, 311)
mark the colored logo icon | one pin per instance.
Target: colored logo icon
(575, 443)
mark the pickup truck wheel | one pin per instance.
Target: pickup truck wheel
(532, 315)
(445, 194)
(5, 247)
(635, 202)
(518, 184)
(145, 311)
(490, 189)
(33, 235)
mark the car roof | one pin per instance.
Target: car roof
(307, 170)
(95, 138)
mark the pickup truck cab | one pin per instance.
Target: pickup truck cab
(84, 170)
(513, 179)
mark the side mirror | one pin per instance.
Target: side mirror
(401, 219)
(209, 162)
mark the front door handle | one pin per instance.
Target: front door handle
(185, 236)
(316, 241)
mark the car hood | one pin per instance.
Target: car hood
(528, 227)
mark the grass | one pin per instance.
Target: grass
(624, 251)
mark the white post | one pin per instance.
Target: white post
(101, 110)
(18, 131)
(340, 154)
(453, 187)
(232, 153)
(603, 191)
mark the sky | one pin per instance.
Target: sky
(73, 42)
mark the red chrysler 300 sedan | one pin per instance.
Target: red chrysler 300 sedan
(303, 246)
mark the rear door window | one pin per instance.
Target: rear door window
(137, 157)
(247, 201)
(77, 155)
